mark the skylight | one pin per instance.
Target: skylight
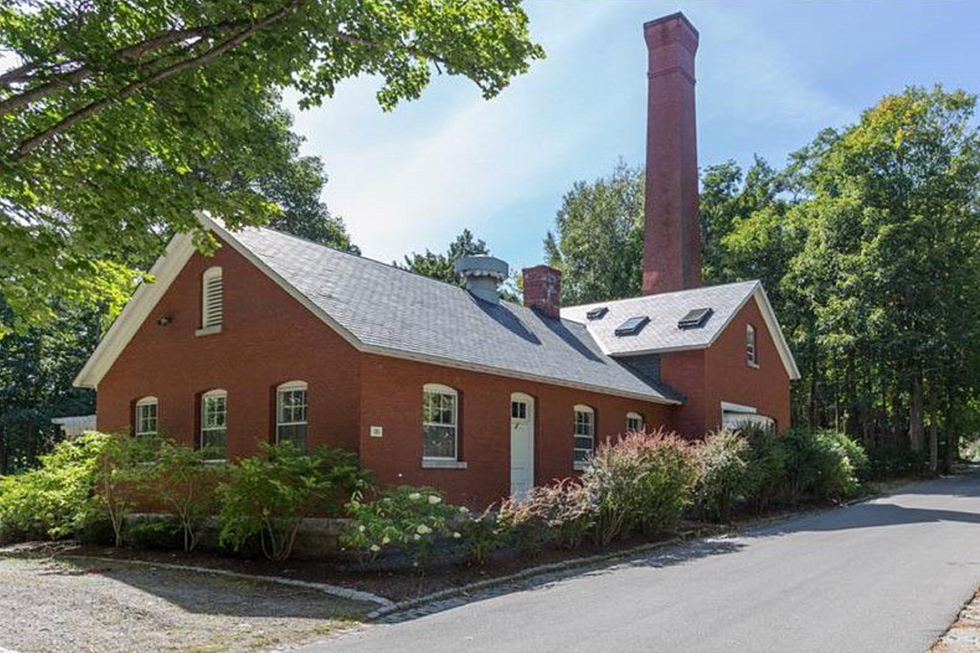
(632, 326)
(695, 319)
(597, 313)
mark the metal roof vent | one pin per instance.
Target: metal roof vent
(483, 275)
(695, 319)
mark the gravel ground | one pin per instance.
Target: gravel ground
(964, 635)
(48, 606)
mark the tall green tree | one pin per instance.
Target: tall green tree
(442, 266)
(597, 241)
(111, 111)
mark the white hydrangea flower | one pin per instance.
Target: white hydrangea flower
(423, 529)
(463, 509)
(433, 499)
(375, 548)
(416, 537)
(361, 528)
(386, 540)
(456, 535)
(414, 496)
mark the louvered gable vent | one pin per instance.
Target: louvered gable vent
(213, 305)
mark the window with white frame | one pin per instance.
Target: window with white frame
(750, 351)
(212, 300)
(146, 417)
(634, 422)
(291, 404)
(584, 434)
(214, 424)
(440, 430)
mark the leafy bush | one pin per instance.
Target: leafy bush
(560, 514)
(267, 495)
(405, 517)
(823, 465)
(482, 535)
(185, 484)
(767, 482)
(56, 499)
(154, 532)
(119, 472)
(723, 474)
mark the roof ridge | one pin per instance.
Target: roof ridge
(361, 257)
(664, 294)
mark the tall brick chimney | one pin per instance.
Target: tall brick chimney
(671, 238)
(542, 289)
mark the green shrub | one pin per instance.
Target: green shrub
(723, 474)
(642, 481)
(822, 465)
(482, 535)
(560, 514)
(185, 484)
(56, 499)
(892, 461)
(406, 518)
(266, 496)
(120, 469)
(766, 459)
(154, 532)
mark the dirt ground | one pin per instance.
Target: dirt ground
(49, 606)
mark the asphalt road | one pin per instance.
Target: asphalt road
(884, 576)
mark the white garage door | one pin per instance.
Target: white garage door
(735, 415)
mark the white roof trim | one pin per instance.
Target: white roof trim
(144, 300)
(768, 316)
(177, 255)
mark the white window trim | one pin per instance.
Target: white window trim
(582, 408)
(751, 346)
(438, 388)
(214, 272)
(633, 415)
(146, 401)
(291, 386)
(209, 395)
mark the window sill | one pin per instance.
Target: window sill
(208, 331)
(438, 463)
(580, 467)
(216, 461)
(754, 366)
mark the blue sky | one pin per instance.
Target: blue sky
(770, 76)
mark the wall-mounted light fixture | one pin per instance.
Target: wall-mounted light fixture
(164, 320)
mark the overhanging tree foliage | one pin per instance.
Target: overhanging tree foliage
(118, 120)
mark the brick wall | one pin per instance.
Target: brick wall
(267, 338)
(721, 373)
(392, 399)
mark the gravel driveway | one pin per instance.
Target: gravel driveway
(48, 606)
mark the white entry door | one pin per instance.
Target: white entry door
(521, 444)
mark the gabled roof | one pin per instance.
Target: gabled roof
(665, 310)
(381, 309)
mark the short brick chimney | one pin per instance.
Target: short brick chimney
(671, 238)
(542, 289)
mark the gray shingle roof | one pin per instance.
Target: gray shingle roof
(390, 309)
(665, 311)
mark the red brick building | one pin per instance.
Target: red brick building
(277, 338)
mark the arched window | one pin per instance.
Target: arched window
(584, 435)
(145, 419)
(635, 422)
(214, 424)
(212, 299)
(440, 428)
(291, 402)
(750, 351)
